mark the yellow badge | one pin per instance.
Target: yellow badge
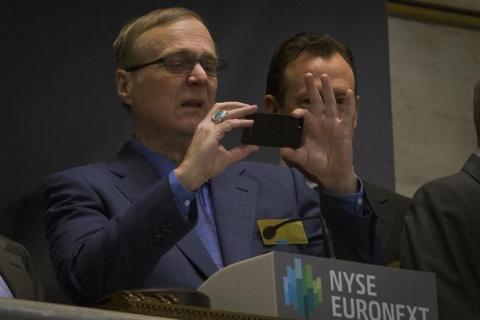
(273, 232)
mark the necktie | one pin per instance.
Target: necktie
(206, 227)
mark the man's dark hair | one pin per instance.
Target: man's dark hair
(476, 108)
(317, 44)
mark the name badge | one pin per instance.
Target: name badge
(289, 233)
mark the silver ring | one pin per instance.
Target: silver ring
(219, 116)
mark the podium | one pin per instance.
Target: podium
(292, 286)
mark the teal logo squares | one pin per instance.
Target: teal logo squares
(301, 290)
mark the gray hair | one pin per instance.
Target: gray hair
(124, 44)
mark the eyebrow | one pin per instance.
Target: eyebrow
(337, 90)
(186, 52)
(304, 95)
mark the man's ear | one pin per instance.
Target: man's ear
(357, 107)
(271, 104)
(124, 80)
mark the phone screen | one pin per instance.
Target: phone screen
(273, 130)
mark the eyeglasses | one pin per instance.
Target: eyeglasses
(182, 64)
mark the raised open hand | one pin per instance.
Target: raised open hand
(327, 150)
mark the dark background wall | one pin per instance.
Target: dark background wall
(58, 106)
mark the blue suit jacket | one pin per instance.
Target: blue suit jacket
(115, 225)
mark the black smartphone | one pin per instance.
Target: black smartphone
(273, 130)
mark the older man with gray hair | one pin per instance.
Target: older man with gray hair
(174, 206)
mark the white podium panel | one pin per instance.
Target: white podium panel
(303, 287)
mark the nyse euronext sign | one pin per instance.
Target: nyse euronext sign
(351, 294)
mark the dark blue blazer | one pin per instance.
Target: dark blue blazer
(115, 225)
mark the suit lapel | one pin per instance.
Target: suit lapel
(192, 247)
(234, 200)
(379, 201)
(16, 277)
(134, 175)
(472, 167)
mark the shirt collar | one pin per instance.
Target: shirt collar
(163, 165)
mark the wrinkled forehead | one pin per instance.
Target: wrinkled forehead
(339, 71)
(185, 35)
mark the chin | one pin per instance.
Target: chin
(189, 127)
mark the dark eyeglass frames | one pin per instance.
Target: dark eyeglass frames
(180, 64)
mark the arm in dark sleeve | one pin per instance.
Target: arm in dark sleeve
(354, 236)
(97, 250)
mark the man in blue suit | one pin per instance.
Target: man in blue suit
(174, 206)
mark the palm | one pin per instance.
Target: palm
(327, 151)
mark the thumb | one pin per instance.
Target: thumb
(241, 151)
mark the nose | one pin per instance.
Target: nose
(198, 75)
